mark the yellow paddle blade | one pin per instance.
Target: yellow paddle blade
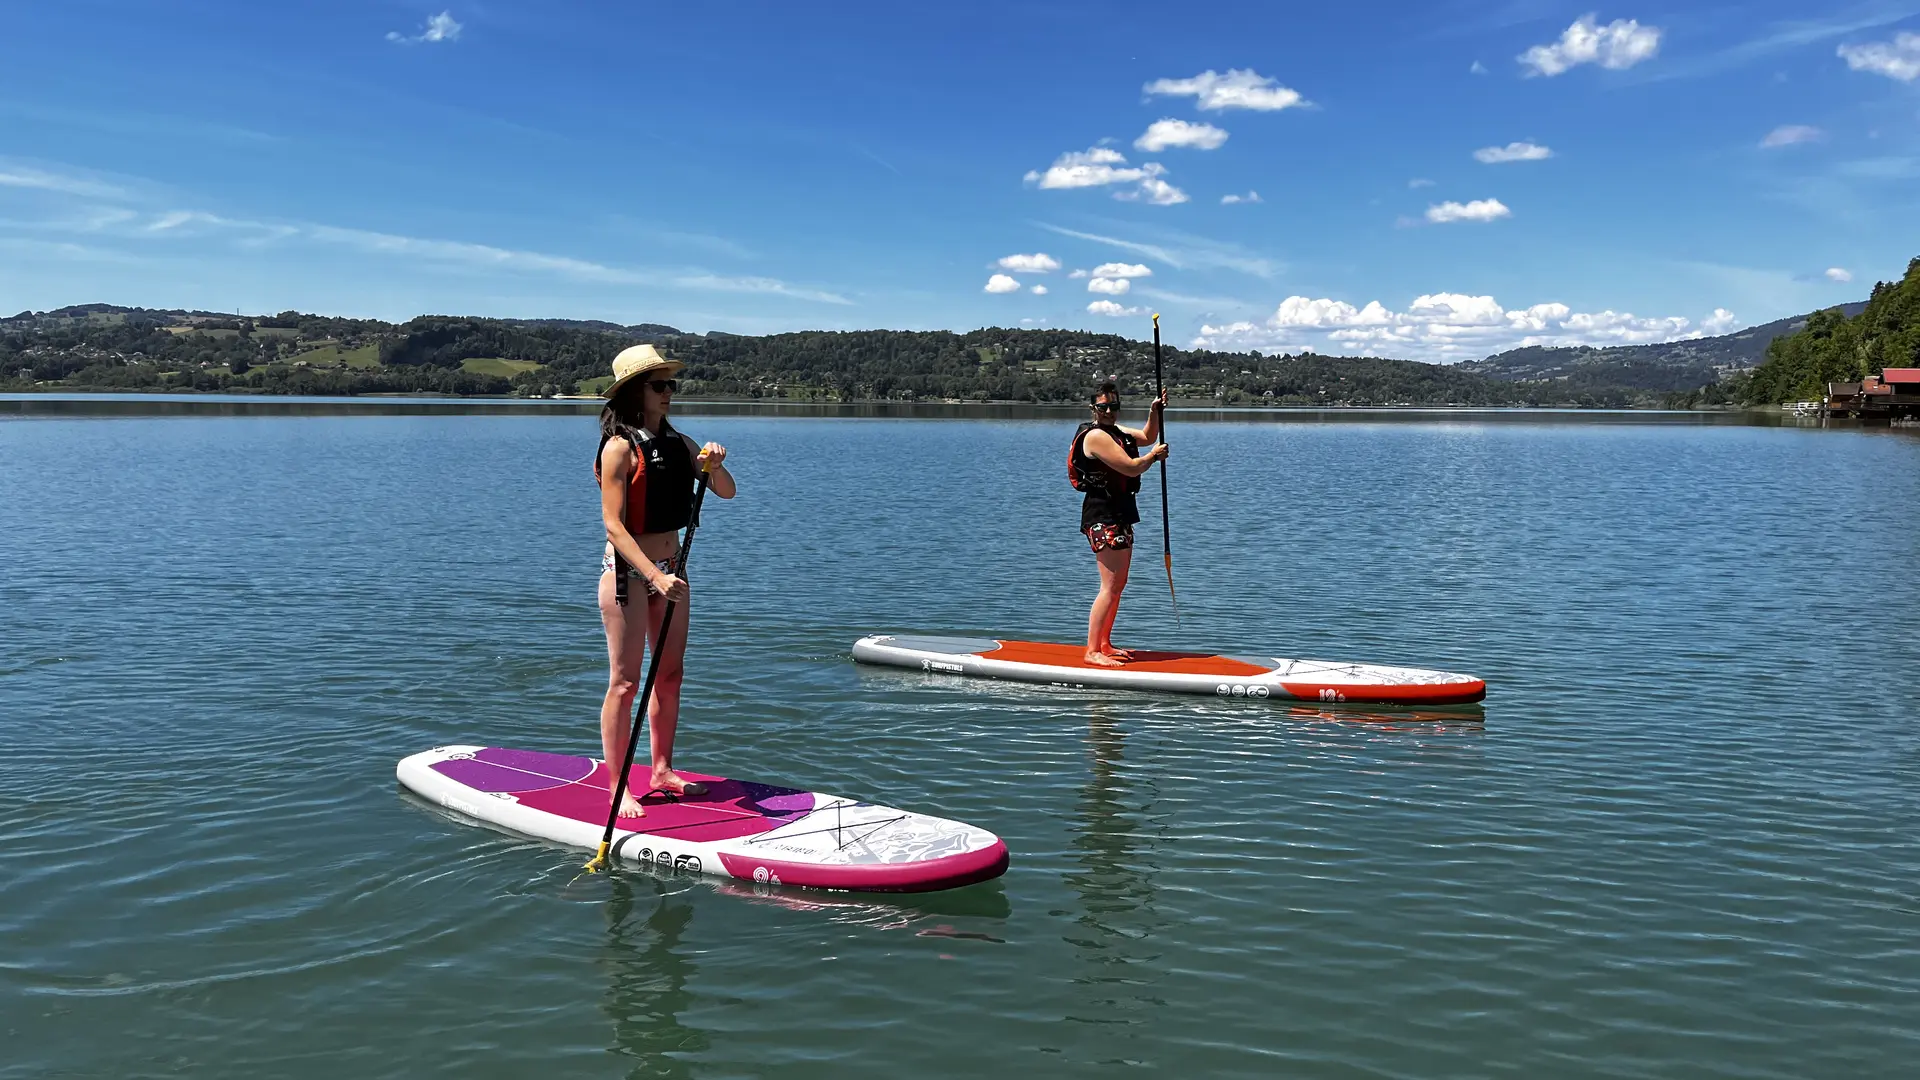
(1171, 595)
(598, 862)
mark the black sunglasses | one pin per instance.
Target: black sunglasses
(661, 386)
(1107, 406)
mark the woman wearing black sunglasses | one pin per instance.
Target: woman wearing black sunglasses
(1106, 463)
(646, 470)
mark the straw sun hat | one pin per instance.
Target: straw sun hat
(632, 363)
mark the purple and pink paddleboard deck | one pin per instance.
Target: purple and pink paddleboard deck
(738, 829)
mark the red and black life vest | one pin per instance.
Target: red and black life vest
(1087, 473)
(660, 490)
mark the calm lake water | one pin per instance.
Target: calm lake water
(1681, 838)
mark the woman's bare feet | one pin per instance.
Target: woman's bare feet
(671, 783)
(630, 806)
(1098, 659)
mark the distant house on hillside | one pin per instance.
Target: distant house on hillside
(1894, 393)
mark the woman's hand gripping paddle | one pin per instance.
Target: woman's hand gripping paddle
(599, 860)
(1166, 534)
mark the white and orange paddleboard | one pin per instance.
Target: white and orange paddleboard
(1172, 672)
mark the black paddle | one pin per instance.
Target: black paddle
(1166, 535)
(599, 860)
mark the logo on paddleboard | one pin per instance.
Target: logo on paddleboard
(764, 876)
(1240, 690)
(936, 665)
(688, 863)
(1330, 694)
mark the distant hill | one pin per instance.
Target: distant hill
(1669, 366)
(638, 331)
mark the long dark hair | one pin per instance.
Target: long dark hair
(623, 416)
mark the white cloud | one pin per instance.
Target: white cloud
(1110, 286)
(1153, 189)
(1446, 327)
(1249, 197)
(1122, 270)
(1038, 263)
(1236, 89)
(1477, 210)
(1077, 274)
(1896, 59)
(1162, 134)
(1108, 307)
(1419, 182)
(1095, 167)
(1720, 322)
(1621, 43)
(1478, 68)
(1100, 166)
(1835, 273)
(441, 27)
(1001, 283)
(1788, 134)
(1515, 151)
(1038, 290)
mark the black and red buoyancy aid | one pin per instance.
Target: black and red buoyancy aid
(659, 490)
(1088, 473)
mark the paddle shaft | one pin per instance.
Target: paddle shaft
(653, 669)
(1166, 532)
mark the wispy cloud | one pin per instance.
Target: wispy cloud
(1789, 134)
(1419, 182)
(1237, 89)
(181, 225)
(1184, 251)
(1780, 37)
(1620, 44)
(1249, 197)
(1514, 151)
(439, 28)
(123, 122)
(23, 176)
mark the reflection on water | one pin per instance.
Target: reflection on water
(1115, 932)
(1463, 718)
(647, 977)
(985, 901)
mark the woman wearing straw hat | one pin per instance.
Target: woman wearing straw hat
(646, 470)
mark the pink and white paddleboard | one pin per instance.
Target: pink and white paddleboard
(738, 829)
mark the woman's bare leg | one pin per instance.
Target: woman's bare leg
(663, 710)
(626, 654)
(1114, 564)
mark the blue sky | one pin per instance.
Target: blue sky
(1434, 181)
